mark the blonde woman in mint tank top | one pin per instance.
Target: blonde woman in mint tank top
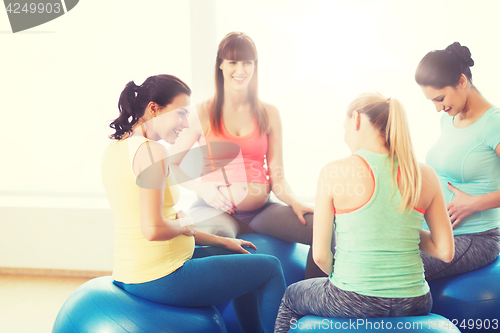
(375, 201)
(466, 158)
(234, 190)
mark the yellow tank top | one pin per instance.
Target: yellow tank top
(137, 260)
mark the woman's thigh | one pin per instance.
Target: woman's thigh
(320, 297)
(472, 251)
(210, 280)
(280, 221)
(213, 221)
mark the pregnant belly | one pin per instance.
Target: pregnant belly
(247, 196)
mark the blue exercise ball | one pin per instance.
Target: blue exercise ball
(470, 300)
(421, 324)
(293, 257)
(100, 306)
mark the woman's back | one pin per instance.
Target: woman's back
(377, 251)
(136, 259)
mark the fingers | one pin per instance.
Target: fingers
(228, 208)
(455, 223)
(244, 251)
(249, 244)
(181, 214)
(455, 218)
(191, 231)
(218, 200)
(302, 219)
(457, 215)
(300, 215)
(221, 202)
(227, 204)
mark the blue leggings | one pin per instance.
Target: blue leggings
(254, 282)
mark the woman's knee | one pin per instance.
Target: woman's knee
(272, 262)
(269, 263)
(222, 225)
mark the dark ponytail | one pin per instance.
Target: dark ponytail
(128, 117)
(134, 99)
(443, 68)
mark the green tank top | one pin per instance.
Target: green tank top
(377, 251)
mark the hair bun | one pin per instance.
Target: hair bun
(463, 53)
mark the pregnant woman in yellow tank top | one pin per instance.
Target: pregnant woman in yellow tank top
(153, 242)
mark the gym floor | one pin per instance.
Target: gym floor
(29, 303)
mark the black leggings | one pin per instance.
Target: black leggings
(472, 251)
(322, 298)
(272, 219)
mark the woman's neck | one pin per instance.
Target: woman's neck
(235, 101)
(372, 142)
(475, 106)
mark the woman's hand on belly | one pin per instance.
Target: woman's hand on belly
(246, 196)
(461, 207)
(212, 195)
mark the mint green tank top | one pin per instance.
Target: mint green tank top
(377, 251)
(466, 158)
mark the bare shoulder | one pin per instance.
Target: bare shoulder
(202, 110)
(350, 160)
(202, 107)
(270, 109)
(203, 115)
(428, 173)
(334, 169)
(148, 154)
(273, 116)
(430, 181)
(152, 149)
(272, 112)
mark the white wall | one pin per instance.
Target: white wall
(315, 56)
(59, 88)
(60, 82)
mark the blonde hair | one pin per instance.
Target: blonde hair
(389, 117)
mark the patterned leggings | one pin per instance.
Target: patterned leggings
(320, 297)
(472, 251)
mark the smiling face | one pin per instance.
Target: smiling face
(172, 119)
(237, 74)
(451, 100)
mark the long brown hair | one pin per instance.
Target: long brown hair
(236, 46)
(389, 117)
